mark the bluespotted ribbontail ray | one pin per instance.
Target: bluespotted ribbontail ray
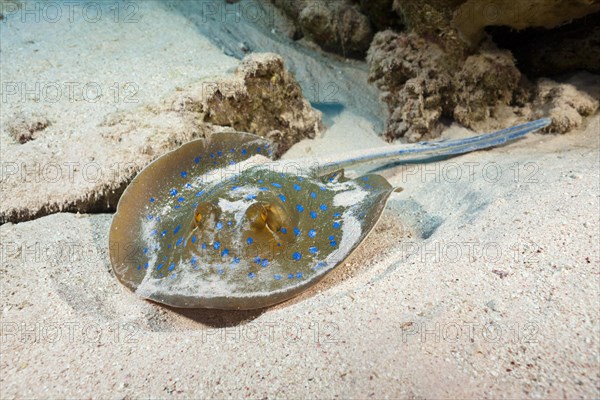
(217, 223)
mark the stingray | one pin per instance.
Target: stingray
(217, 223)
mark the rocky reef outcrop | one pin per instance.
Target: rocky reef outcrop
(337, 26)
(445, 64)
(262, 97)
(476, 62)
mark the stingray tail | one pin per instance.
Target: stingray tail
(424, 151)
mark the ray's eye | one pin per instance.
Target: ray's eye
(264, 215)
(275, 218)
(203, 213)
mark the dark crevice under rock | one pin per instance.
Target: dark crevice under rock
(547, 52)
(103, 201)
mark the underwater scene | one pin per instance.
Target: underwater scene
(299, 199)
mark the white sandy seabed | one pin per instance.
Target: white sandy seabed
(481, 279)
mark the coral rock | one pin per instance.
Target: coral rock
(564, 104)
(262, 97)
(336, 26)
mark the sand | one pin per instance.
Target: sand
(480, 280)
